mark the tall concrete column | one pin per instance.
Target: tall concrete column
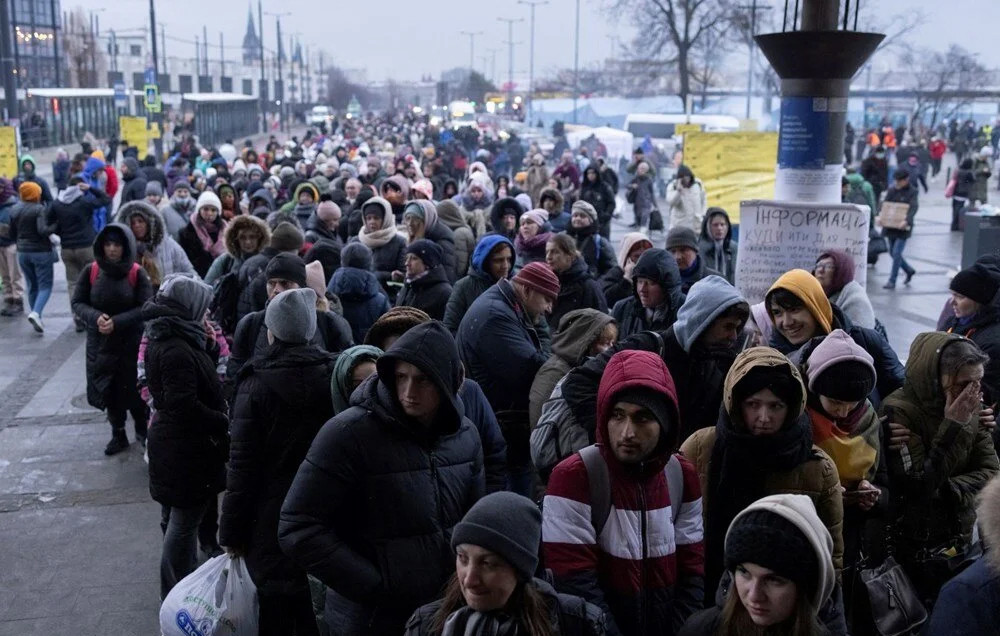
(815, 65)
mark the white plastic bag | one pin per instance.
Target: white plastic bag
(217, 599)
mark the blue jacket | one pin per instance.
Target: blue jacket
(5, 209)
(361, 297)
(969, 603)
(478, 410)
(470, 287)
(90, 170)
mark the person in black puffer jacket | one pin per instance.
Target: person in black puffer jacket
(188, 445)
(74, 211)
(504, 216)
(577, 288)
(598, 193)
(407, 465)
(110, 307)
(283, 401)
(426, 286)
(596, 250)
(357, 288)
(656, 295)
(134, 182)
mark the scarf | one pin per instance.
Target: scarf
(720, 257)
(468, 622)
(852, 443)
(378, 238)
(739, 467)
(532, 245)
(167, 326)
(214, 246)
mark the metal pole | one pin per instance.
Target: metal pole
(531, 63)
(163, 43)
(263, 79)
(7, 68)
(472, 47)
(197, 64)
(281, 100)
(753, 30)
(510, 60)
(157, 117)
(55, 44)
(93, 50)
(576, 61)
(222, 60)
(204, 44)
(114, 51)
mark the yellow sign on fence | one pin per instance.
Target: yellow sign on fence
(134, 131)
(683, 129)
(733, 166)
(8, 152)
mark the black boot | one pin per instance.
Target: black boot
(118, 443)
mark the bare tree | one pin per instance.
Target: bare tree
(707, 59)
(670, 31)
(940, 81)
(80, 50)
(340, 89)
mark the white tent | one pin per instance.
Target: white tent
(618, 142)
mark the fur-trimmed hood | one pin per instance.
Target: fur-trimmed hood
(153, 219)
(245, 222)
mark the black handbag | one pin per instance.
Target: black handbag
(895, 604)
(630, 193)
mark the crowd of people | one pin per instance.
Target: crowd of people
(409, 379)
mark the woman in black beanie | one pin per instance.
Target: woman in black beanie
(975, 306)
(493, 591)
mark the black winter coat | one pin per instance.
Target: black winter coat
(577, 290)
(387, 259)
(601, 196)
(75, 220)
(361, 297)
(596, 250)
(465, 292)
(133, 187)
(372, 508)
(30, 227)
(908, 195)
(333, 334)
(188, 444)
(984, 330)
(327, 252)
(111, 359)
(445, 239)
(657, 265)
(283, 401)
(201, 259)
(429, 293)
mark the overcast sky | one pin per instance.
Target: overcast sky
(404, 39)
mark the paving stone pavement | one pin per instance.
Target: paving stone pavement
(79, 534)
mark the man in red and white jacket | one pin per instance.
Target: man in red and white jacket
(643, 562)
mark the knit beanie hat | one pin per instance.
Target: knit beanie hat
(507, 524)
(653, 401)
(154, 188)
(395, 322)
(840, 369)
(586, 208)
(682, 237)
(357, 255)
(539, 277)
(291, 315)
(328, 211)
(427, 251)
(537, 216)
(30, 192)
(285, 237)
(524, 199)
(412, 209)
(179, 185)
(208, 198)
(975, 283)
(773, 542)
(315, 278)
(288, 267)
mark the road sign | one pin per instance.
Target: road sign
(149, 77)
(152, 98)
(121, 99)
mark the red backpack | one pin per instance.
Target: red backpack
(133, 274)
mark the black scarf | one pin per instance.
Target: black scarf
(468, 622)
(739, 466)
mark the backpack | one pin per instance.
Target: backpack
(133, 274)
(225, 301)
(600, 486)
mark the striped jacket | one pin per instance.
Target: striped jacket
(643, 569)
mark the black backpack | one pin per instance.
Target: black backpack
(225, 300)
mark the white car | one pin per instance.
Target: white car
(320, 114)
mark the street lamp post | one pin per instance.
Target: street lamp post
(472, 48)
(576, 61)
(531, 63)
(7, 66)
(510, 60)
(280, 100)
(263, 79)
(158, 116)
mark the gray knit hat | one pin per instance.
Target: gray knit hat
(291, 316)
(505, 523)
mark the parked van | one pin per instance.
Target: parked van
(661, 128)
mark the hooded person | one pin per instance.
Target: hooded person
(800, 310)
(504, 217)
(74, 210)
(533, 233)
(761, 445)
(421, 221)
(776, 536)
(282, 402)
(464, 239)
(134, 181)
(353, 367)
(29, 173)
(649, 498)
(698, 349)
(285, 238)
(178, 211)
(656, 295)
(360, 295)
(598, 193)
(186, 467)
(582, 333)
(946, 458)
(834, 270)
(617, 281)
(95, 175)
(108, 300)
(552, 202)
(492, 260)
(158, 253)
(389, 457)
(203, 239)
(228, 199)
(396, 190)
(426, 286)
(388, 247)
(246, 236)
(596, 250)
(975, 314)
(686, 200)
(716, 246)
(303, 203)
(261, 203)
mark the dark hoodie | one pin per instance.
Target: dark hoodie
(134, 188)
(359, 292)
(74, 215)
(282, 402)
(578, 330)
(660, 266)
(469, 288)
(718, 255)
(405, 484)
